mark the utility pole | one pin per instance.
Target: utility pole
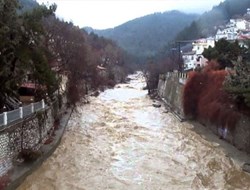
(180, 66)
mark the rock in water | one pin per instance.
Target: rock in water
(156, 105)
(246, 167)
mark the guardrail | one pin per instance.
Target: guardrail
(23, 112)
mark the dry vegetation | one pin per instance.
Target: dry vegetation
(205, 99)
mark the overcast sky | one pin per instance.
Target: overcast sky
(102, 14)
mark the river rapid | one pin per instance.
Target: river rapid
(120, 141)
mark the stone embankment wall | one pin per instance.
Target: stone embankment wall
(28, 136)
(170, 88)
(23, 135)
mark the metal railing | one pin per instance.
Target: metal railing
(22, 112)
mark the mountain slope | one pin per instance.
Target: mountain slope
(208, 22)
(145, 36)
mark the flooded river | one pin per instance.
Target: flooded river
(121, 142)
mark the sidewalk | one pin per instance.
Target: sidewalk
(20, 172)
(239, 157)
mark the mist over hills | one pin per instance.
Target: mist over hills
(146, 35)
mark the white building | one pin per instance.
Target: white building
(233, 29)
(229, 33)
(195, 58)
(192, 60)
(200, 44)
(236, 29)
(188, 59)
(240, 24)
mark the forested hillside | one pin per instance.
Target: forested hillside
(145, 36)
(208, 22)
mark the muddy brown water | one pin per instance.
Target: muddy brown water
(121, 142)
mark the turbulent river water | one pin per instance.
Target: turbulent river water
(120, 141)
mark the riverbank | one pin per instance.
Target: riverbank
(235, 143)
(21, 171)
(239, 157)
(122, 141)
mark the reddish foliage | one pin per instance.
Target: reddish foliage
(49, 140)
(191, 94)
(56, 124)
(75, 91)
(4, 180)
(205, 99)
(211, 66)
(111, 83)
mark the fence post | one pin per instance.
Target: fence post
(32, 107)
(21, 112)
(5, 119)
(43, 104)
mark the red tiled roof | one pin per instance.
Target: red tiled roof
(28, 85)
(32, 85)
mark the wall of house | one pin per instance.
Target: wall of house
(170, 89)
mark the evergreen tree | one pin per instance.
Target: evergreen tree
(9, 38)
(21, 46)
(224, 52)
(237, 82)
(33, 52)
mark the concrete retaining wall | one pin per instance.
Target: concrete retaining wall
(170, 89)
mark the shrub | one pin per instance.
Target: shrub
(4, 181)
(237, 83)
(205, 99)
(30, 155)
